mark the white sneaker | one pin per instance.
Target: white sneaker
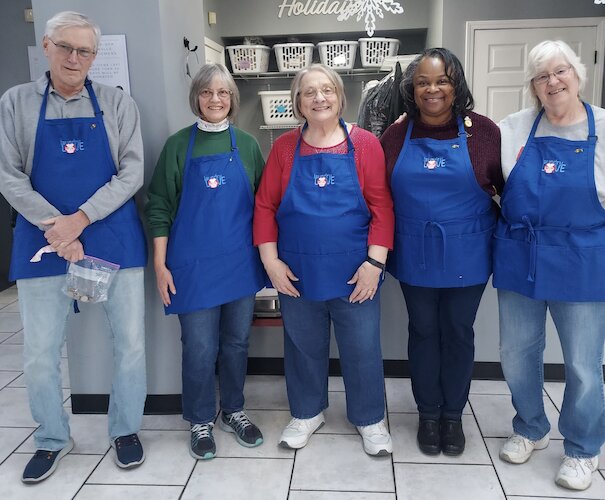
(517, 449)
(576, 473)
(299, 430)
(376, 439)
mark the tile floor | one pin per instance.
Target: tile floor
(332, 466)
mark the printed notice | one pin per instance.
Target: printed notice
(111, 64)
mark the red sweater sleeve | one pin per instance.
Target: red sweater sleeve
(370, 166)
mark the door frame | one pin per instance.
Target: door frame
(598, 22)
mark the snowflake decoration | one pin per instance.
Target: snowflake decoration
(369, 9)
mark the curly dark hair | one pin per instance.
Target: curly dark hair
(463, 99)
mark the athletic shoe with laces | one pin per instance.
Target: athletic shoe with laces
(246, 433)
(128, 451)
(299, 430)
(376, 439)
(576, 473)
(517, 449)
(44, 463)
(202, 446)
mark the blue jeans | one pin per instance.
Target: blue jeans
(210, 336)
(581, 329)
(441, 347)
(307, 351)
(44, 310)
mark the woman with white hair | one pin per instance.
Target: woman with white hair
(550, 255)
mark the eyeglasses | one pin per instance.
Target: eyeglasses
(311, 93)
(67, 50)
(559, 73)
(221, 93)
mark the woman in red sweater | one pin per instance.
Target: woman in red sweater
(323, 222)
(444, 164)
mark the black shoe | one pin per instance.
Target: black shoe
(44, 463)
(202, 446)
(429, 439)
(452, 437)
(128, 451)
(246, 433)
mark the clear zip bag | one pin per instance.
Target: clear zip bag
(89, 279)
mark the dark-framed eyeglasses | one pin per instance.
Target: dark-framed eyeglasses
(67, 50)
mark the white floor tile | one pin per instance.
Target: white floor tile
(11, 438)
(404, 428)
(89, 433)
(266, 392)
(8, 296)
(6, 377)
(62, 485)
(338, 462)
(336, 416)
(536, 476)
(167, 462)
(14, 408)
(15, 338)
(11, 357)
(10, 322)
(12, 307)
(164, 423)
(103, 492)
(5, 336)
(454, 482)
(338, 495)
(271, 424)
(489, 387)
(336, 384)
(495, 415)
(235, 478)
(555, 391)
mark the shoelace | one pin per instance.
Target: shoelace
(129, 440)
(240, 420)
(520, 441)
(45, 454)
(574, 463)
(201, 431)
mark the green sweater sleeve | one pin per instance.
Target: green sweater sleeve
(166, 184)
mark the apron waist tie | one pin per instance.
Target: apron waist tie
(425, 226)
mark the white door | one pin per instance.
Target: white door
(498, 58)
(214, 53)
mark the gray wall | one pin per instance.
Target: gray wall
(15, 36)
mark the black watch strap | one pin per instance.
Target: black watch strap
(376, 263)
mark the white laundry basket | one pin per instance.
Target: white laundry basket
(372, 51)
(339, 54)
(277, 107)
(249, 58)
(293, 56)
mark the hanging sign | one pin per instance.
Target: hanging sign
(366, 9)
(111, 63)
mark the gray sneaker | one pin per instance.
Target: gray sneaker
(202, 441)
(517, 449)
(246, 433)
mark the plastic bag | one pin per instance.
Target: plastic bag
(89, 279)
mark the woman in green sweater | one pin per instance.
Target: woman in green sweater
(200, 206)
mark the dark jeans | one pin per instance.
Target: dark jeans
(210, 336)
(441, 347)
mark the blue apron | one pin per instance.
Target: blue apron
(210, 252)
(323, 223)
(72, 160)
(550, 239)
(444, 221)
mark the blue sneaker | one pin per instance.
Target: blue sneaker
(128, 451)
(246, 433)
(44, 463)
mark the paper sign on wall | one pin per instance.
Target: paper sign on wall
(111, 64)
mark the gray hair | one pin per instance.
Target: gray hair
(71, 19)
(332, 75)
(203, 79)
(541, 55)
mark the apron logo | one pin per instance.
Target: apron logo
(433, 163)
(70, 147)
(215, 181)
(322, 180)
(552, 166)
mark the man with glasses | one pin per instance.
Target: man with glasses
(71, 159)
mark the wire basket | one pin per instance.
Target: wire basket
(339, 54)
(277, 107)
(249, 58)
(373, 50)
(293, 56)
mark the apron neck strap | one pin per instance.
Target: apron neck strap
(351, 148)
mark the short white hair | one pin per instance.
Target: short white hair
(71, 19)
(541, 55)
